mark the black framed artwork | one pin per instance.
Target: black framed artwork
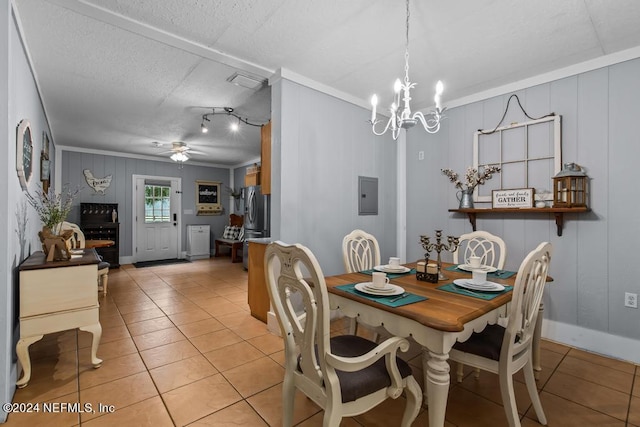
(45, 163)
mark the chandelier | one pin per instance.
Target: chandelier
(229, 112)
(401, 117)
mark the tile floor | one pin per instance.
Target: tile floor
(180, 348)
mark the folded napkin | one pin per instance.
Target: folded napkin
(390, 275)
(383, 299)
(449, 287)
(498, 274)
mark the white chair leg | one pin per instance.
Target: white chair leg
(476, 373)
(288, 399)
(509, 400)
(530, 380)
(414, 402)
(460, 371)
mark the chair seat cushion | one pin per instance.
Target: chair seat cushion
(354, 385)
(487, 343)
(228, 241)
(103, 264)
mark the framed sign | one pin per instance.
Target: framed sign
(208, 198)
(24, 153)
(45, 163)
(514, 198)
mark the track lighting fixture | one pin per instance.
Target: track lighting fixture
(235, 126)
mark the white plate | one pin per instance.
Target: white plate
(487, 268)
(484, 287)
(388, 269)
(386, 290)
(367, 288)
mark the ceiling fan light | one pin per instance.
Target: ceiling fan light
(179, 157)
(204, 128)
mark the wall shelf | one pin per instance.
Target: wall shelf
(557, 212)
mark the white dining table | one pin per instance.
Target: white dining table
(436, 324)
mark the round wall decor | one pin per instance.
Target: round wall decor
(24, 153)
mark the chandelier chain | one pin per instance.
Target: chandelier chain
(406, 50)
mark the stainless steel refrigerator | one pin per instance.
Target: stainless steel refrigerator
(256, 217)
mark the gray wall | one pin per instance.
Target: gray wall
(320, 145)
(19, 99)
(120, 190)
(592, 264)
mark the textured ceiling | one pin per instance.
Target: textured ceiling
(118, 75)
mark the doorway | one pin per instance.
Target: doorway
(157, 227)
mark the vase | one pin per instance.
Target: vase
(466, 198)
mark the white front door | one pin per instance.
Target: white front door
(156, 218)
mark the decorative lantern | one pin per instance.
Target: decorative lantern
(570, 187)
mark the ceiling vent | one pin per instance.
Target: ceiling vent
(246, 80)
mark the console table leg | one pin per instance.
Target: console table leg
(96, 331)
(22, 350)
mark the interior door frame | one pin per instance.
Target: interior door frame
(134, 204)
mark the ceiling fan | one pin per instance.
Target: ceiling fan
(179, 151)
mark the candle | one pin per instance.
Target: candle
(432, 268)
(420, 266)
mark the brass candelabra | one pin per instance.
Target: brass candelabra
(439, 246)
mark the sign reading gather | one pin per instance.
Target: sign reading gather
(513, 198)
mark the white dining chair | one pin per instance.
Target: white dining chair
(360, 251)
(345, 375)
(504, 350)
(77, 240)
(490, 248)
(492, 252)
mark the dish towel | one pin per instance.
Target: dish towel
(384, 299)
(498, 274)
(390, 275)
(449, 287)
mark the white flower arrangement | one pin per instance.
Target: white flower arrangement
(473, 177)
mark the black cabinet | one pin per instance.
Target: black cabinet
(96, 221)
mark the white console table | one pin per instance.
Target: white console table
(57, 296)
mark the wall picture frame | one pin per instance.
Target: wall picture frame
(514, 198)
(208, 197)
(24, 153)
(45, 163)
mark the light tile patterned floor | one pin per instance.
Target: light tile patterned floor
(181, 348)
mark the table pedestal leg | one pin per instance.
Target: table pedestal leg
(535, 344)
(436, 379)
(96, 331)
(22, 350)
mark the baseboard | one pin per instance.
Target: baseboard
(609, 345)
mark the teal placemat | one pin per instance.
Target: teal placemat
(449, 287)
(390, 275)
(498, 274)
(386, 300)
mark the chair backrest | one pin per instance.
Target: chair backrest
(360, 251)
(77, 239)
(525, 302)
(490, 248)
(236, 220)
(293, 277)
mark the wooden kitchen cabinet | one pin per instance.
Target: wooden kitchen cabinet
(57, 296)
(258, 295)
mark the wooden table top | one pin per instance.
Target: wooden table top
(98, 243)
(444, 311)
(38, 261)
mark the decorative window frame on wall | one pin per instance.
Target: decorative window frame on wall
(524, 151)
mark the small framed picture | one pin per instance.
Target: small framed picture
(515, 198)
